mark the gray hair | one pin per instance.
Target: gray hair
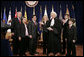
(19, 12)
(54, 13)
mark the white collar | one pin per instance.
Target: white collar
(52, 19)
(66, 20)
(34, 21)
(45, 22)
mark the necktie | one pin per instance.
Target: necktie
(26, 31)
(35, 23)
(19, 21)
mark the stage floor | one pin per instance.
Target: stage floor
(79, 51)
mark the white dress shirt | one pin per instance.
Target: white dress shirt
(52, 22)
(26, 30)
(45, 22)
(66, 20)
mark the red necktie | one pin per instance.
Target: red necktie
(35, 23)
(19, 21)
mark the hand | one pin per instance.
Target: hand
(8, 35)
(50, 29)
(65, 39)
(41, 23)
(19, 38)
(30, 36)
(10, 21)
(61, 41)
(74, 41)
(12, 34)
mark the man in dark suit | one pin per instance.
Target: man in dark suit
(16, 28)
(24, 36)
(54, 28)
(65, 24)
(33, 34)
(71, 39)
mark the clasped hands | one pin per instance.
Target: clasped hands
(50, 29)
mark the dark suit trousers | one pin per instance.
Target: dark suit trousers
(64, 46)
(32, 45)
(21, 45)
(26, 43)
(15, 46)
(44, 42)
(71, 47)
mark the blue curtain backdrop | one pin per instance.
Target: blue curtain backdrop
(78, 8)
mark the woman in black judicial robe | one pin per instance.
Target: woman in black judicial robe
(54, 37)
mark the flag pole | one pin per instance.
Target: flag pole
(40, 28)
(74, 16)
(33, 10)
(52, 8)
(1, 13)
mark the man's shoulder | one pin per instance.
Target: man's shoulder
(73, 27)
(30, 22)
(58, 20)
(48, 21)
(15, 19)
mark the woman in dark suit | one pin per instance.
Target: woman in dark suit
(71, 39)
(43, 25)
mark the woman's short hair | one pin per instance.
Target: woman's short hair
(54, 13)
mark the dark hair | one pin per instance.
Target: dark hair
(67, 14)
(19, 11)
(71, 19)
(33, 16)
(24, 17)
